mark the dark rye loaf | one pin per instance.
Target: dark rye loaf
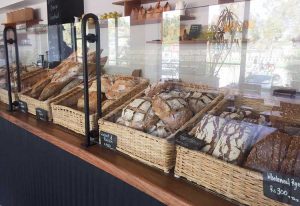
(278, 152)
(291, 163)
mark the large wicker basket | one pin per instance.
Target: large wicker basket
(149, 149)
(27, 80)
(237, 183)
(33, 104)
(66, 115)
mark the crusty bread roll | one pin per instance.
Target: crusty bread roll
(92, 98)
(119, 88)
(172, 109)
(157, 88)
(92, 102)
(139, 115)
(106, 84)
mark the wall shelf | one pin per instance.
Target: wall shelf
(180, 42)
(28, 23)
(123, 2)
(135, 22)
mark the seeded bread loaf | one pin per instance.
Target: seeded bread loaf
(291, 162)
(269, 153)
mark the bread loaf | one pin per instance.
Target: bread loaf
(51, 90)
(66, 74)
(159, 130)
(246, 114)
(160, 87)
(92, 102)
(39, 86)
(139, 115)
(235, 140)
(209, 130)
(75, 82)
(172, 109)
(119, 88)
(269, 153)
(198, 100)
(106, 83)
(291, 163)
(92, 98)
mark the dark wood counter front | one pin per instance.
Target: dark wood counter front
(165, 188)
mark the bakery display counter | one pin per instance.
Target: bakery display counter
(61, 169)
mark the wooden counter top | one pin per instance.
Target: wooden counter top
(165, 188)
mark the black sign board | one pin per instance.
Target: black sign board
(195, 31)
(59, 11)
(23, 107)
(282, 188)
(108, 140)
(185, 140)
(54, 12)
(41, 114)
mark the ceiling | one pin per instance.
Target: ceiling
(6, 5)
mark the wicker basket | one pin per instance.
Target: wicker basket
(255, 103)
(4, 96)
(27, 80)
(151, 150)
(237, 183)
(67, 116)
(33, 104)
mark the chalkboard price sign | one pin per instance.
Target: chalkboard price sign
(42, 114)
(23, 107)
(282, 188)
(108, 140)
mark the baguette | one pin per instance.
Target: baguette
(52, 89)
(39, 86)
(71, 85)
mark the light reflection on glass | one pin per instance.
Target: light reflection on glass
(118, 40)
(224, 45)
(112, 41)
(273, 57)
(123, 40)
(170, 45)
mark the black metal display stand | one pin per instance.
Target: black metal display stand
(91, 38)
(10, 41)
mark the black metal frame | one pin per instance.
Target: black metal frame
(91, 38)
(74, 39)
(11, 104)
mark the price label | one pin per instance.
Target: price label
(108, 140)
(41, 114)
(282, 188)
(23, 107)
